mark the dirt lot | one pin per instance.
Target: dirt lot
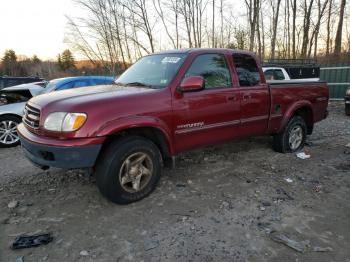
(223, 203)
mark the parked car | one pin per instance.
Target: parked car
(29, 90)
(347, 102)
(78, 81)
(279, 73)
(164, 104)
(13, 100)
(6, 81)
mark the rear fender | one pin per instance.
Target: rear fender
(291, 111)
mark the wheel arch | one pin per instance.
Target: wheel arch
(149, 128)
(11, 114)
(302, 109)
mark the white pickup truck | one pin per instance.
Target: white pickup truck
(280, 74)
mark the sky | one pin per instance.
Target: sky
(34, 26)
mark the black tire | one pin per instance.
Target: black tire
(281, 140)
(111, 161)
(14, 120)
(347, 110)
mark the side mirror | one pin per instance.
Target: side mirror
(192, 83)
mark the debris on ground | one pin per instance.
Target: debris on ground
(322, 249)
(309, 143)
(265, 226)
(281, 191)
(265, 203)
(13, 204)
(20, 259)
(84, 253)
(299, 246)
(317, 188)
(151, 244)
(289, 180)
(303, 155)
(27, 241)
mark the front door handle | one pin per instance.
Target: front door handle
(231, 98)
(246, 97)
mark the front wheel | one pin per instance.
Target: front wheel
(292, 138)
(8, 131)
(128, 169)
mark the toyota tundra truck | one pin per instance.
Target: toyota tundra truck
(164, 104)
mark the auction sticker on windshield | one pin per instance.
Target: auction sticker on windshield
(169, 59)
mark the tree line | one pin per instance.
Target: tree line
(124, 30)
(12, 64)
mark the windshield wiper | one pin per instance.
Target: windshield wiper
(137, 84)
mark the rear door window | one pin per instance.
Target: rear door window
(247, 70)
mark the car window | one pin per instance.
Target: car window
(95, 82)
(278, 74)
(247, 70)
(67, 85)
(213, 68)
(81, 83)
(269, 75)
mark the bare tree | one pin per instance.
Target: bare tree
(294, 15)
(306, 26)
(338, 38)
(329, 27)
(321, 8)
(253, 13)
(275, 11)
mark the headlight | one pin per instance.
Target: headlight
(62, 121)
(348, 92)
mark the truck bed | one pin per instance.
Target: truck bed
(286, 95)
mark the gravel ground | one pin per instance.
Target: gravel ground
(235, 202)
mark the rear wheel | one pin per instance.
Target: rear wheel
(128, 169)
(293, 136)
(8, 131)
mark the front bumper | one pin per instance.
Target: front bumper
(44, 155)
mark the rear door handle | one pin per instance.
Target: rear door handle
(231, 98)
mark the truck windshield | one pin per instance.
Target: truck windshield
(155, 71)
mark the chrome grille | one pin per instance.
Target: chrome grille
(31, 116)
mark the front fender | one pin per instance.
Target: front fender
(118, 125)
(291, 110)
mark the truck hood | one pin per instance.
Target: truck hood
(73, 97)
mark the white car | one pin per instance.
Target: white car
(14, 98)
(12, 103)
(280, 74)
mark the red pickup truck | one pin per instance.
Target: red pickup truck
(164, 104)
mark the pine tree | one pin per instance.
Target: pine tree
(66, 60)
(9, 62)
